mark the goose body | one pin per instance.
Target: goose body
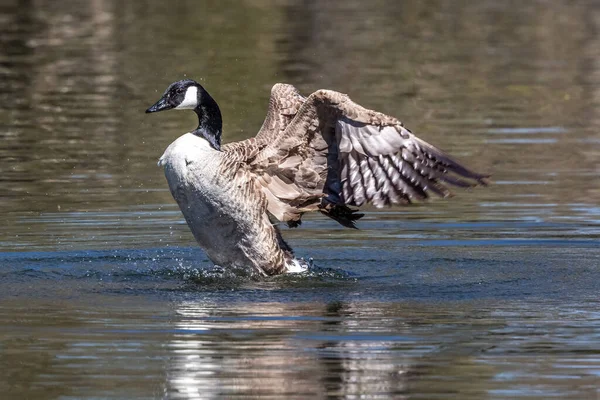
(205, 198)
(222, 214)
(318, 153)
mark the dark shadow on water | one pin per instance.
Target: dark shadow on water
(176, 270)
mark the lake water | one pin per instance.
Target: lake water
(490, 294)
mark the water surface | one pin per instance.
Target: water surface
(489, 294)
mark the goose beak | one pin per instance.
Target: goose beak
(160, 105)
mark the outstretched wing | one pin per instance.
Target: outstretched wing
(284, 103)
(336, 153)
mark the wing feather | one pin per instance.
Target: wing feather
(327, 151)
(284, 103)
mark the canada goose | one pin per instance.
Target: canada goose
(317, 153)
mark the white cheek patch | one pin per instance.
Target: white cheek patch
(191, 99)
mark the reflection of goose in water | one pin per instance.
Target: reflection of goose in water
(255, 349)
(317, 153)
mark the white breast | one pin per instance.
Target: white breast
(191, 168)
(187, 149)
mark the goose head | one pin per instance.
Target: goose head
(190, 95)
(180, 95)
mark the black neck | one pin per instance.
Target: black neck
(210, 123)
